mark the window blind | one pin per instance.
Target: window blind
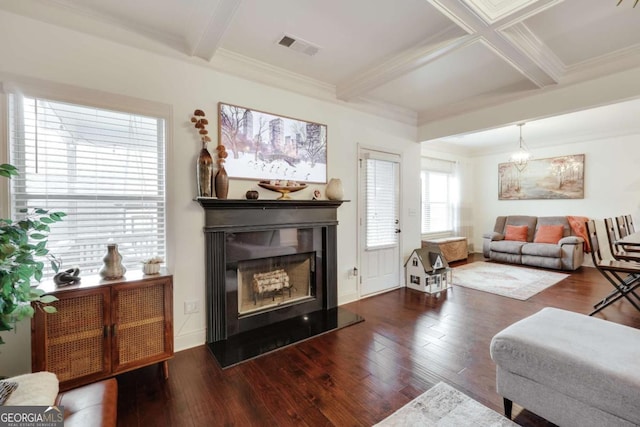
(436, 202)
(381, 203)
(105, 169)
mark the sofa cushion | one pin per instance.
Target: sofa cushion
(542, 249)
(548, 234)
(516, 233)
(556, 220)
(507, 246)
(589, 359)
(529, 221)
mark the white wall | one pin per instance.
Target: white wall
(34, 49)
(612, 184)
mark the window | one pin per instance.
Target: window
(437, 196)
(381, 203)
(105, 169)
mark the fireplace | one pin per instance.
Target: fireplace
(269, 262)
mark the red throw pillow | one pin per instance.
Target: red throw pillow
(517, 233)
(549, 234)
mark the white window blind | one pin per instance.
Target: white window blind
(436, 202)
(381, 203)
(105, 169)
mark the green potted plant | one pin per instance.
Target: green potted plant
(22, 249)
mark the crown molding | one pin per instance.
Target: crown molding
(250, 69)
(492, 12)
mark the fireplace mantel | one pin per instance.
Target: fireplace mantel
(223, 217)
(233, 213)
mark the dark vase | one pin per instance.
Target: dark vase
(222, 183)
(205, 172)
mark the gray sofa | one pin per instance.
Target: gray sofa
(567, 254)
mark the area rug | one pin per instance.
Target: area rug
(510, 281)
(444, 406)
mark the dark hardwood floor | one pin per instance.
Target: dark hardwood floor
(358, 375)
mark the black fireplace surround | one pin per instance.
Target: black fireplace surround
(315, 224)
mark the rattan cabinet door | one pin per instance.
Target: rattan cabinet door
(142, 331)
(74, 342)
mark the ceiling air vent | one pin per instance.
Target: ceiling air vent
(299, 45)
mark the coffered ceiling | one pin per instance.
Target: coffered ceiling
(423, 60)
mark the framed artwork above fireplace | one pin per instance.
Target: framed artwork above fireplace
(265, 146)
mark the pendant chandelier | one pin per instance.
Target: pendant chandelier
(521, 157)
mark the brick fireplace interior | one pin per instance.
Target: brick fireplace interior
(271, 275)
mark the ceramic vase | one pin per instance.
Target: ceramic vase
(112, 268)
(205, 172)
(334, 190)
(221, 182)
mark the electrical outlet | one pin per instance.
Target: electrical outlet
(191, 307)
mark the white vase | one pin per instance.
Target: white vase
(334, 190)
(112, 268)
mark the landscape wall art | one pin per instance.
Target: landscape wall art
(552, 178)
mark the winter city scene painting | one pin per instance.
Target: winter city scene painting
(266, 146)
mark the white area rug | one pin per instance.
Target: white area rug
(444, 406)
(510, 281)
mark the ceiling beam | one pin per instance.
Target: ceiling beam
(430, 50)
(508, 38)
(205, 38)
(520, 49)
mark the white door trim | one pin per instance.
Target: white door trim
(381, 154)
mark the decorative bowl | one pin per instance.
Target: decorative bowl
(282, 189)
(151, 268)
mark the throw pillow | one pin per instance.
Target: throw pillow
(517, 233)
(6, 388)
(549, 234)
(36, 389)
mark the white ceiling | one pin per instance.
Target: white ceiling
(423, 60)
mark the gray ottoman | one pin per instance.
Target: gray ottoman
(569, 368)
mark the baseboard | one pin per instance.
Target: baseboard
(346, 299)
(192, 339)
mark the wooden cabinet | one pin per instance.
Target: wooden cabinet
(103, 328)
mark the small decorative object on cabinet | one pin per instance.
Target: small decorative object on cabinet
(204, 171)
(252, 195)
(103, 328)
(112, 268)
(221, 179)
(152, 265)
(334, 189)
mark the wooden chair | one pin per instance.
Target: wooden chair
(617, 251)
(623, 231)
(621, 223)
(630, 227)
(624, 276)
